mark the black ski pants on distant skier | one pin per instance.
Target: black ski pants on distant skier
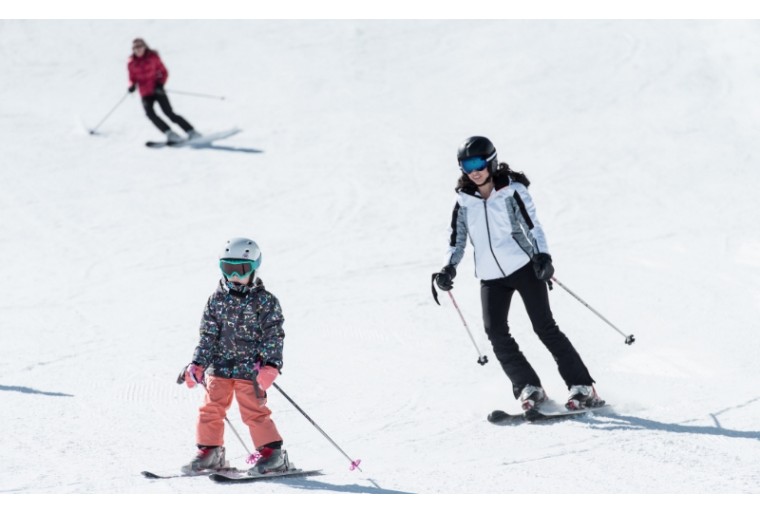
(163, 101)
(496, 297)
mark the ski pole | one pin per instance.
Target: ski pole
(92, 132)
(354, 463)
(629, 339)
(481, 358)
(201, 95)
(251, 457)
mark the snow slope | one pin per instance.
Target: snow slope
(640, 138)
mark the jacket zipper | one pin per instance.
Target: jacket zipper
(490, 246)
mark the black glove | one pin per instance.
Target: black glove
(132, 88)
(542, 266)
(445, 278)
(159, 89)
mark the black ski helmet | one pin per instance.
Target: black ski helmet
(478, 146)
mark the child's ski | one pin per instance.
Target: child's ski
(235, 478)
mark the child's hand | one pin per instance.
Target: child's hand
(266, 376)
(194, 375)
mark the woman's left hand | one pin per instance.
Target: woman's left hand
(542, 266)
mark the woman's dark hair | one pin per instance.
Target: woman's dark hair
(140, 40)
(503, 176)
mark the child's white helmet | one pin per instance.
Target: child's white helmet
(240, 256)
(241, 249)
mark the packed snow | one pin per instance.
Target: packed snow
(640, 139)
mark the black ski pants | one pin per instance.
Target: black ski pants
(163, 101)
(496, 297)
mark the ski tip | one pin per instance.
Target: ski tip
(498, 416)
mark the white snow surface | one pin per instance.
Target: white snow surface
(641, 142)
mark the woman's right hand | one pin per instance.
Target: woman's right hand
(445, 278)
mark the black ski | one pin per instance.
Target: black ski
(203, 140)
(499, 417)
(205, 472)
(238, 478)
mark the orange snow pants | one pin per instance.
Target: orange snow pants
(254, 412)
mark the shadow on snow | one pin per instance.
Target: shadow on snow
(30, 391)
(614, 421)
(313, 485)
(226, 148)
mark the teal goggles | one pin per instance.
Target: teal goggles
(240, 268)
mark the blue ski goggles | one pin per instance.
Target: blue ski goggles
(472, 164)
(240, 268)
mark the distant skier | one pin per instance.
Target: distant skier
(148, 73)
(495, 211)
(241, 330)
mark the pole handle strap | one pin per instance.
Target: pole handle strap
(432, 288)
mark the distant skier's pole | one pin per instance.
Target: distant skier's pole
(354, 463)
(200, 95)
(92, 132)
(629, 339)
(481, 358)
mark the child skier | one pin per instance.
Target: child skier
(239, 354)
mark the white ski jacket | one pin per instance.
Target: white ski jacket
(503, 230)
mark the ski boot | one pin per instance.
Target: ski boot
(192, 134)
(531, 397)
(172, 137)
(208, 457)
(272, 460)
(583, 397)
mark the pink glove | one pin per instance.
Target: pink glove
(194, 375)
(266, 376)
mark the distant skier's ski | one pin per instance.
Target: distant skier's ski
(499, 417)
(205, 472)
(238, 478)
(203, 140)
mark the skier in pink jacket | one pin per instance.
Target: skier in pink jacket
(148, 74)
